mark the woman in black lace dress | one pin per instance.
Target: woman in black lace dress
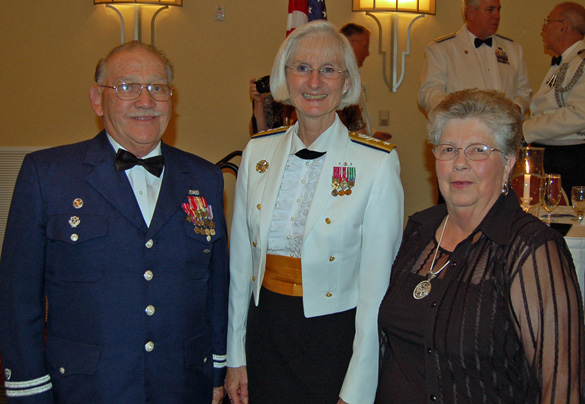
(483, 304)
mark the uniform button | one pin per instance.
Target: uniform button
(331, 259)
(140, 192)
(74, 237)
(328, 221)
(149, 346)
(306, 163)
(298, 201)
(433, 397)
(259, 206)
(149, 243)
(148, 275)
(302, 181)
(292, 219)
(453, 264)
(288, 237)
(62, 371)
(434, 304)
(149, 310)
(328, 294)
(429, 351)
(253, 279)
(253, 244)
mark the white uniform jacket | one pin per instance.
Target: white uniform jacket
(349, 242)
(558, 107)
(452, 64)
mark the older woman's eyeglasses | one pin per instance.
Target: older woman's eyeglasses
(304, 70)
(132, 91)
(547, 21)
(475, 152)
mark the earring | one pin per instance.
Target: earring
(505, 188)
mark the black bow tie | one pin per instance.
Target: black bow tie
(478, 42)
(125, 160)
(307, 154)
(556, 60)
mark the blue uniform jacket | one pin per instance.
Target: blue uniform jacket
(136, 314)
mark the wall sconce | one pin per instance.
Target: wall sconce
(421, 7)
(138, 14)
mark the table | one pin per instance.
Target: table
(575, 239)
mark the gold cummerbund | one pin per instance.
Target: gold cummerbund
(283, 275)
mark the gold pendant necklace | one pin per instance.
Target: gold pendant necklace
(423, 289)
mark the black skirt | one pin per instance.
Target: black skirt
(294, 359)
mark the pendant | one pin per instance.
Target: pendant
(422, 290)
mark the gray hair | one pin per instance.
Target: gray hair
(474, 4)
(338, 45)
(492, 108)
(574, 14)
(100, 70)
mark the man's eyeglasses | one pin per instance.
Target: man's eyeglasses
(304, 70)
(475, 152)
(132, 91)
(547, 21)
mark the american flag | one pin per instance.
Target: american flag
(302, 11)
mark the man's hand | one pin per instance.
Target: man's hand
(218, 394)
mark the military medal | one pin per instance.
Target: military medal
(343, 180)
(201, 215)
(501, 56)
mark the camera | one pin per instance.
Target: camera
(263, 85)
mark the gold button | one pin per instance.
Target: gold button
(253, 244)
(253, 278)
(328, 221)
(74, 237)
(149, 346)
(149, 243)
(259, 206)
(328, 294)
(62, 371)
(149, 310)
(148, 275)
(331, 259)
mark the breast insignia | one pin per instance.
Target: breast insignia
(277, 131)
(445, 37)
(371, 142)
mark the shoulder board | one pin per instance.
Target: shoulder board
(371, 142)
(271, 132)
(445, 37)
(504, 37)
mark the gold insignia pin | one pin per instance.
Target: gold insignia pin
(262, 166)
(77, 203)
(74, 221)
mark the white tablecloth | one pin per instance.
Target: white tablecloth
(575, 239)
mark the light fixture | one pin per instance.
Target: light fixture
(138, 14)
(420, 7)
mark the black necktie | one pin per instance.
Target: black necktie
(125, 160)
(556, 60)
(478, 42)
(307, 154)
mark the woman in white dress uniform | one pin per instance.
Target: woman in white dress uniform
(317, 223)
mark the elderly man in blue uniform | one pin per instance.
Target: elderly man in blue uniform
(475, 57)
(558, 107)
(117, 246)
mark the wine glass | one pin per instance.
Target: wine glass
(550, 195)
(578, 199)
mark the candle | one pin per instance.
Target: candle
(526, 194)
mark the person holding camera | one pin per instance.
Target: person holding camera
(267, 113)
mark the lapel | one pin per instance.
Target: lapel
(113, 186)
(177, 180)
(504, 69)
(276, 155)
(469, 56)
(336, 155)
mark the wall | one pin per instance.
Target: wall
(49, 51)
